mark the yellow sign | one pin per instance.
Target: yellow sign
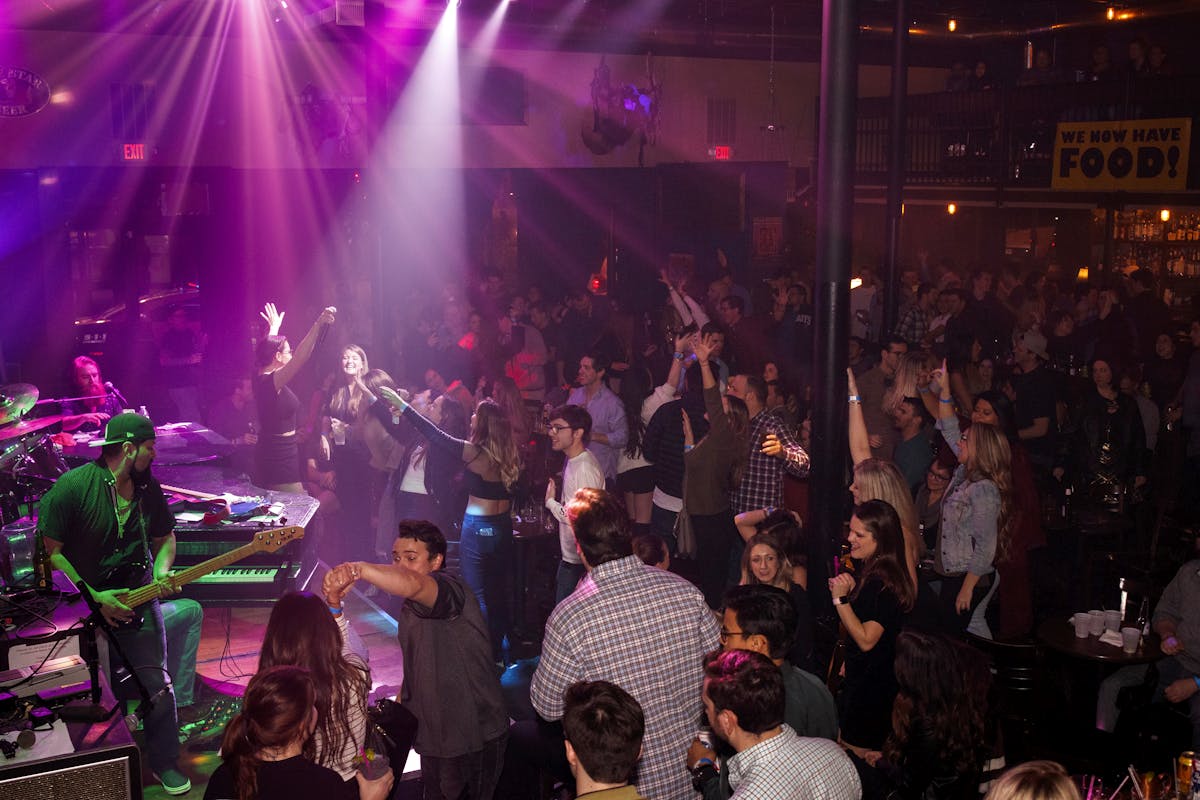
(1124, 155)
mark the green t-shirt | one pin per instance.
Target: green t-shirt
(80, 511)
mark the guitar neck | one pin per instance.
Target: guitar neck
(152, 591)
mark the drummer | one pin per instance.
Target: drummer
(97, 405)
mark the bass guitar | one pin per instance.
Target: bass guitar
(264, 541)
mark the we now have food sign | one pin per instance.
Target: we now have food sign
(1123, 155)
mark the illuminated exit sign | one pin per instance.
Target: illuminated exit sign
(133, 151)
(721, 152)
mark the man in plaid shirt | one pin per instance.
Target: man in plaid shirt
(642, 628)
(914, 319)
(773, 449)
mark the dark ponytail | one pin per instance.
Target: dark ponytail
(276, 707)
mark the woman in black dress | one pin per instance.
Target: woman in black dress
(871, 609)
(278, 453)
(266, 748)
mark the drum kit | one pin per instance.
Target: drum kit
(30, 461)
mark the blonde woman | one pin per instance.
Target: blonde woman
(912, 380)
(877, 479)
(765, 562)
(976, 517)
(1034, 780)
(493, 467)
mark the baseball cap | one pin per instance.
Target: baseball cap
(1035, 343)
(127, 427)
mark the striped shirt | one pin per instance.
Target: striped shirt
(790, 766)
(647, 631)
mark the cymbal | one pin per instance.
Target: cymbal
(28, 426)
(15, 401)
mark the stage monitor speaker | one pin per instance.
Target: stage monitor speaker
(110, 773)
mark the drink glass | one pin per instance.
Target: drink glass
(1130, 639)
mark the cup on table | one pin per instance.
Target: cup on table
(1130, 639)
(1112, 620)
(1082, 623)
(1095, 622)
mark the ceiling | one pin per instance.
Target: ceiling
(714, 28)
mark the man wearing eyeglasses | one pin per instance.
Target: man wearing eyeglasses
(570, 431)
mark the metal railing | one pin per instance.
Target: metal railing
(1005, 138)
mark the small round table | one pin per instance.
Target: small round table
(1059, 635)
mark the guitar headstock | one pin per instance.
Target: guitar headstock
(271, 540)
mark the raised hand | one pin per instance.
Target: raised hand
(688, 437)
(392, 398)
(273, 317)
(328, 316)
(703, 348)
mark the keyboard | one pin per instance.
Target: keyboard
(246, 585)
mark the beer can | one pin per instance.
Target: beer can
(1195, 793)
(1183, 773)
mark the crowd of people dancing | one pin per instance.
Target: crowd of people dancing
(665, 442)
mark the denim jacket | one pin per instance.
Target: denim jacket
(970, 516)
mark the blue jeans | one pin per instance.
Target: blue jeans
(485, 551)
(567, 579)
(182, 620)
(146, 649)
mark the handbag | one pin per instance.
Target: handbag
(685, 535)
(391, 729)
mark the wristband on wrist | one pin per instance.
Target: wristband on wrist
(840, 601)
(853, 398)
(678, 356)
(688, 447)
(332, 610)
(1196, 678)
(945, 399)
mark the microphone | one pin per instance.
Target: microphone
(321, 335)
(108, 386)
(144, 708)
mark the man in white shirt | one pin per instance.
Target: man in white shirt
(570, 430)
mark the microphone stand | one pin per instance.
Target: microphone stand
(95, 711)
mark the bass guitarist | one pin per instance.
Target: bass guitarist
(108, 524)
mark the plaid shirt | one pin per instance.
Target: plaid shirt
(913, 325)
(789, 766)
(647, 631)
(762, 482)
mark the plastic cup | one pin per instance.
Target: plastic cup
(1095, 622)
(1082, 623)
(1112, 620)
(376, 767)
(1130, 639)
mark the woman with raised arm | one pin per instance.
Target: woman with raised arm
(493, 467)
(276, 364)
(977, 516)
(878, 479)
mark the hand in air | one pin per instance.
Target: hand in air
(703, 348)
(392, 398)
(274, 318)
(336, 583)
(550, 489)
(328, 316)
(688, 437)
(851, 382)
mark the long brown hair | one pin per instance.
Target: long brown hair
(783, 578)
(302, 632)
(943, 691)
(492, 433)
(349, 401)
(990, 459)
(889, 564)
(275, 711)
(739, 424)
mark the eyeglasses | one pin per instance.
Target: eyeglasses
(935, 474)
(726, 634)
(556, 429)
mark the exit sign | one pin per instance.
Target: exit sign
(722, 152)
(133, 151)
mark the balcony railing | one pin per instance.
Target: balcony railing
(1005, 138)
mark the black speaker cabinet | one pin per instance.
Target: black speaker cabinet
(110, 773)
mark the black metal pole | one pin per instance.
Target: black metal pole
(835, 200)
(1110, 244)
(897, 163)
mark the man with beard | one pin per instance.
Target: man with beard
(107, 523)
